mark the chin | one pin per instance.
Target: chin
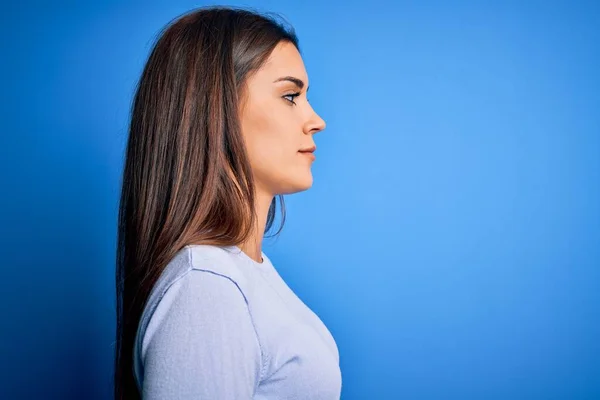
(299, 184)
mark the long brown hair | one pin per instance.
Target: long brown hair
(186, 178)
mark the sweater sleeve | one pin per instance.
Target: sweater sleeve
(201, 342)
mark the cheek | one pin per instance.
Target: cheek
(272, 142)
(270, 157)
(269, 141)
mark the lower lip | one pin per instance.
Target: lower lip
(306, 153)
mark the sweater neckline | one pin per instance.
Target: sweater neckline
(264, 265)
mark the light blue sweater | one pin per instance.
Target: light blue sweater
(219, 325)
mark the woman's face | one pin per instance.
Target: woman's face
(274, 128)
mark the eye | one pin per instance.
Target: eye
(293, 96)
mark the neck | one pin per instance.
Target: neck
(253, 245)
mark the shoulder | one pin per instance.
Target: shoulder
(217, 260)
(199, 258)
(195, 266)
(196, 287)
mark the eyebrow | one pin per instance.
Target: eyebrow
(295, 81)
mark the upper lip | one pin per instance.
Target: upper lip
(309, 149)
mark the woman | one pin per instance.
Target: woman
(220, 126)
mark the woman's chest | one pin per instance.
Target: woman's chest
(301, 353)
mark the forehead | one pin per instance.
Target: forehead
(284, 60)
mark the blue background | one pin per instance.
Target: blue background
(451, 239)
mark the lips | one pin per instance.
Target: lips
(309, 149)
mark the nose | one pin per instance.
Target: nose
(315, 124)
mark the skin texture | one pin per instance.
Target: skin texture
(274, 131)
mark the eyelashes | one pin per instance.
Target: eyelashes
(293, 96)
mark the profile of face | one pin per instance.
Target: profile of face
(277, 121)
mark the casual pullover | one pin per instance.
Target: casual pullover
(220, 326)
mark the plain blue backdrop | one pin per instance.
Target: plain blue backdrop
(451, 239)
